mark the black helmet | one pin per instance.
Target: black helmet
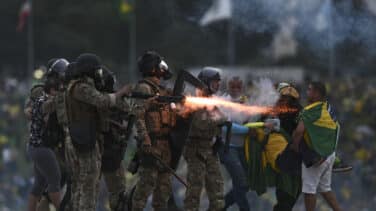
(71, 72)
(51, 83)
(209, 74)
(87, 64)
(57, 67)
(150, 61)
(105, 80)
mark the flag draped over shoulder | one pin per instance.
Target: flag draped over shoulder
(320, 128)
(261, 153)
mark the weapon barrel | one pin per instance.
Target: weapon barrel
(161, 99)
(170, 170)
(140, 95)
(170, 99)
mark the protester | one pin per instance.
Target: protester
(46, 168)
(319, 131)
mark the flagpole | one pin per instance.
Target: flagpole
(30, 42)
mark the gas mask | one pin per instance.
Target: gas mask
(104, 80)
(99, 79)
(164, 71)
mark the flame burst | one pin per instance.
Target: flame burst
(194, 103)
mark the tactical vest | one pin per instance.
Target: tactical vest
(204, 125)
(83, 120)
(159, 117)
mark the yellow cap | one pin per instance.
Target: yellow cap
(290, 91)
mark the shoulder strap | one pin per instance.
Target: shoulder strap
(153, 86)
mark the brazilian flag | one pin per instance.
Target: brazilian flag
(261, 153)
(257, 176)
(320, 128)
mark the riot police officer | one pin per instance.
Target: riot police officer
(115, 142)
(154, 123)
(83, 131)
(203, 163)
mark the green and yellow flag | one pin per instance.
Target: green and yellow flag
(261, 153)
(320, 128)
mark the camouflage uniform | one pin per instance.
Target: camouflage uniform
(115, 181)
(63, 121)
(83, 102)
(203, 164)
(154, 120)
(62, 118)
(113, 154)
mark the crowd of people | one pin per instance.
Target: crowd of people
(352, 99)
(15, 180)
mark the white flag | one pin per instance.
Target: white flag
(219, 10)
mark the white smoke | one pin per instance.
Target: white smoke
(284, 43)
(263, 93)
(321, 24)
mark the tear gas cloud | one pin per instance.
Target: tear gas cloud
(317, 24)
(262, 94)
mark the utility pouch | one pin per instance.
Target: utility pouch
(153, 120)
(165, 117)
(83, 135)
(172, 118)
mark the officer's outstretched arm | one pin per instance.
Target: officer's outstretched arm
(90, 95)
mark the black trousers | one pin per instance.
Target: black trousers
(285, 202)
